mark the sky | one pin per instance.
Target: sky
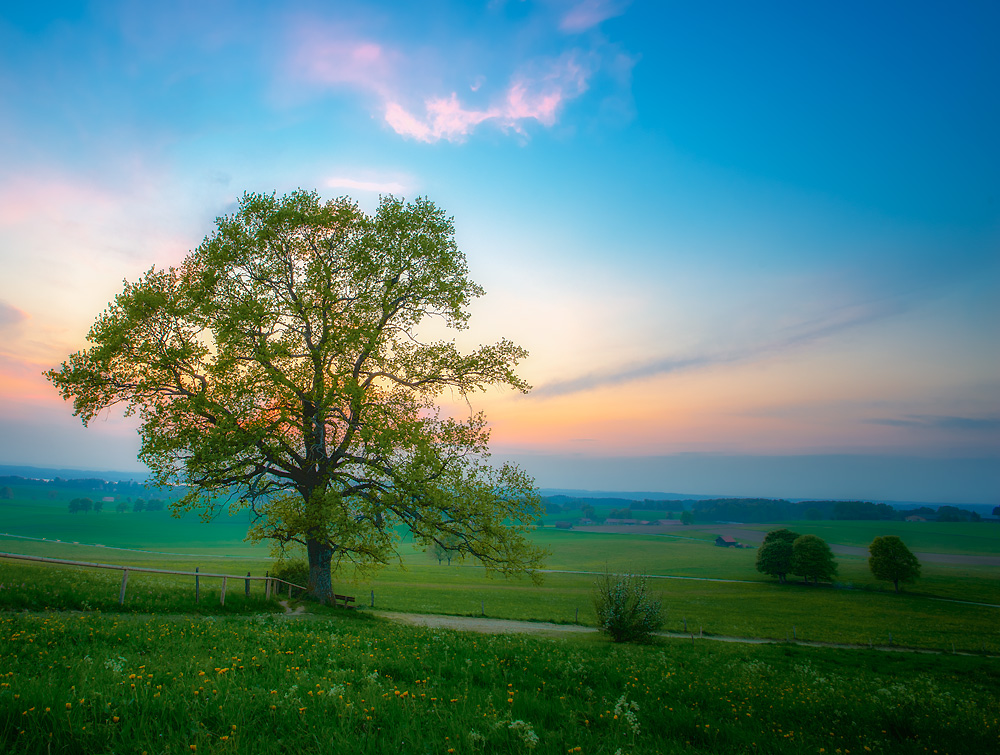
(752, 248)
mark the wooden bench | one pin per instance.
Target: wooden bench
(345, 599)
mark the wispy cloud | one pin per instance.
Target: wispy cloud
(939, 422)
(10, 316)
(535, 94)
(783, 340)
(430, 98)
(589, 13)
(326, 57)
(355, 184)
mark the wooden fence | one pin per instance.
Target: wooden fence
(271, 584)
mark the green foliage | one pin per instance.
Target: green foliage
(687, 517)
(625, 610)
(774, 557)
(294, 570)
(282, 367)
(892, 561)
(812, 558)
(863, 510)
(80, 504)
(121, 507)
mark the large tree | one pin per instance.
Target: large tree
(285, 366)
(812, 557)
(774, 557)
(892, 561)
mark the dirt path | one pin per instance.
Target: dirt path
(289, 611)
(509, 626)
(482, 624)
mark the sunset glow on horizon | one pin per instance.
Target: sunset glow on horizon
(727, 236)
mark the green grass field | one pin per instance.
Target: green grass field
(754, 606)
(98, 684)
(165, 674)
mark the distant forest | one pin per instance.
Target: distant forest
(703, 510)
(125, 487)
(759, 509)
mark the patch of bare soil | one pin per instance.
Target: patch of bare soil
(482, 624)
(289, 611)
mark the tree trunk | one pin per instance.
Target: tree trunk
(320, 583)
(896, 583)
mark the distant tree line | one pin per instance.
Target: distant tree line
(123, 487)
(78, 505)
(759, 509)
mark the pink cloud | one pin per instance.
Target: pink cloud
(382, 187)
(27, 199)
(531, 96)
(10, 316)
(589, 13)
(327, 58)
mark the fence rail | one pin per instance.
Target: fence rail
(271, 584)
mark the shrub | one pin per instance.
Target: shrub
(294, 570)
(625, 610)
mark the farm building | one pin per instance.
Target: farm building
(726, 541)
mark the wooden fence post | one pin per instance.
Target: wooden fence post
(267, 585)
(373, 599)
(289, 590)
(121, 595)
(222, 595)
(197, 585)
(248, 584)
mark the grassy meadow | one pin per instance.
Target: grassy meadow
(165, 674)
(716, 590)
(350, 683)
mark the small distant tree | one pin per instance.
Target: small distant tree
(812, 557)
(98, 505)
(122, 507)
(446, 549)
(625, 610)
(588, 512)
(7, 493)
(774, 557)
(996, 511)
(138, 506)
(687, 517)
(154, 504)
(892, 561)
(80, 504)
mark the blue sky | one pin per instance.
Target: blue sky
(725, 232)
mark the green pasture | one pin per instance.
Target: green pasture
(858, 610)
(741, 609)
(349, 683)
